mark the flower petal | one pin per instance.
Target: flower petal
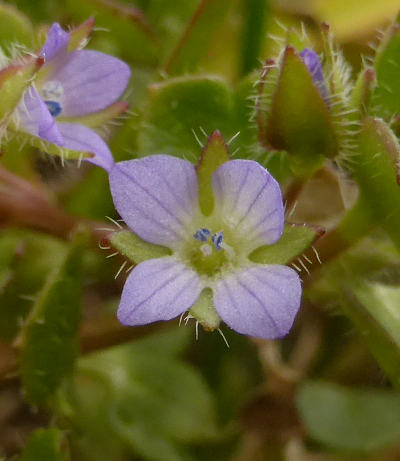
(56, 42)
(259, 301)
(158, 289)
(91, 81)
(249, 200)
(313, 64)
(81, 138)
(157, 197)
(36, 119)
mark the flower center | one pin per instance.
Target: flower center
(52, 92)
(210, 252)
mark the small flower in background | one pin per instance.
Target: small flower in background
(71, 85)
(157, 196)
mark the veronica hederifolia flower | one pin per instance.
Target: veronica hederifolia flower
(71, 85)
(157, 196)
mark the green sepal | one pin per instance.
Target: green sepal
(49, 338)
(44, 445)
(214, 154)
(299, 121)
(386, 99)
(135, 249)
(79, 35)
(99, 118)
(204, 311)
(14, 80)
(50, 148)
(362, 92)
(295, 240)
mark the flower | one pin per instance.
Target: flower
(157, 196)
(71, 85)
(313, 64)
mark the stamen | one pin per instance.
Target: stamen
(217, 239)
(202, 234)
(54, 107)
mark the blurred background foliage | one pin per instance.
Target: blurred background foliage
(93, 390)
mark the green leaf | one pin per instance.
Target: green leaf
(300, 122)
(15, 27)
(198, 36)
(387, 93)
(181, 109)
(135, 249)
(44, 445)
(49, 339)
(254, 30)
(373, 308)
(355, 421)
(375, 171)
(214, 154)
(295, 240)
(37, 256)
(147, 399)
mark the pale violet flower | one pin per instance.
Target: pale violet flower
(72, 84)
(157, 196)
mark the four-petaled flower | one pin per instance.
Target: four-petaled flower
(71, 85)
(157, 196)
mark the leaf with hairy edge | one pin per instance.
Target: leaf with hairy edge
(49, 339)
(386, 99)
(295, 240)
(182, 109)
(214, 154)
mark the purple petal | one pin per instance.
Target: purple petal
(158, 289)
(313, 63)
(91, 81)
(81, 138)
(36, 119)
(249, 199)
(56, 42)
(157, 198)
(260, 301)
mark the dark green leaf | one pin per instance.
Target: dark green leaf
(44, 445)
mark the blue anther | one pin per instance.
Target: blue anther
(217, 239)
(54, 107)
(202, 234)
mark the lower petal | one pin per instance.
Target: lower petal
(158, 289)
(81, 138)
(260, 301)
(36, 119)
